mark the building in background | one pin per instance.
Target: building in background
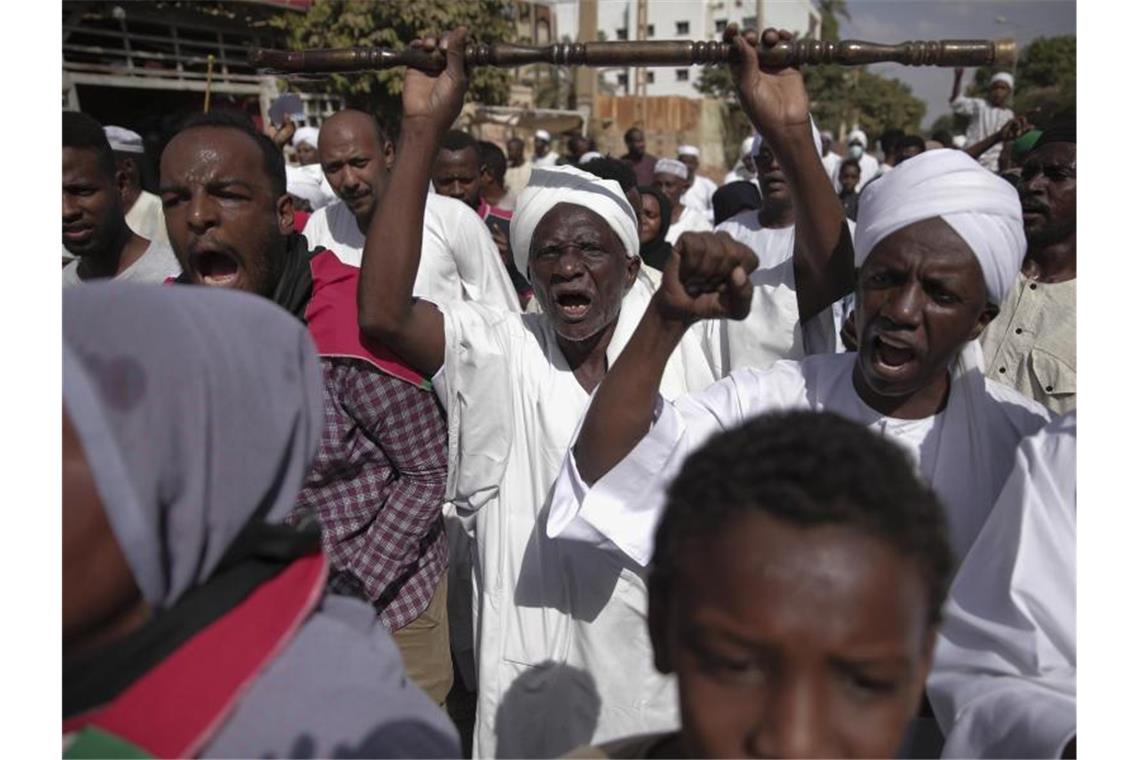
(683, 20)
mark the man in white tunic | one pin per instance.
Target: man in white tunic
(868, 164)
(459, 260)
(1004, 682)
(940, 247)
(701, 189)
(671, 177)
(987, 115)
(144, 210)
(563, 657)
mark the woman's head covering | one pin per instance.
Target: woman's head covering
(657, 251)
(734, 197)
(980, 206)
(198, 409)
(552, 185)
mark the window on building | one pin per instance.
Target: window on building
(649, 31)
(623, 34)
(721, 25)
(682, 75)
(649, 77)
(682, 28)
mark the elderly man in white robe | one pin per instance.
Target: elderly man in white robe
(563, 657)
(1004, 682)
(671, 177)
(701, 189)
(939, 248)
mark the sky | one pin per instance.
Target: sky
(900, 20)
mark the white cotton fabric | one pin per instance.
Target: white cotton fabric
(308, 182)
(123, 140)
(965, 456)
(689, 150)
(1003, 76)
(306, 135)
(857, 135)
(156, 265)
(588, 156)
(458, 257)
(699, 196)
(552, 185)
(691, 220)
(147, 219)
(1004, 682)
(671, 166)
(981, 207)
(562, 650)
(542, 134)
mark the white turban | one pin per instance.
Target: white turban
(588, 156)
(671, 166)
(979, 205)
(959, 141)
(859, 136)
(1003, 76)
(309, 182)
(123, 140)
(542, 134)
(306, 135)
(688, 150)
(552, 185)
(758, 140)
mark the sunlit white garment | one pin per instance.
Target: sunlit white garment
(831, 162)
(691, 220)
(157, 265)
(146, 218)
(458, 257)
(984, 121)
(772, 330)
(966, 455)
(563, 655)
(699, 196)
(1004, 682)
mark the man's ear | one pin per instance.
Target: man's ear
(632, 267)
(125, 169)
(988, 314)
(389, 155)
(285, 213)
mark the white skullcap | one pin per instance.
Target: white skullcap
(689, 150)
(552, 185)
(959, 141)
(758, 140)
(746, 146)
(306, 135)
(980, 206)
(671, 166)
(542, 134)
(309, 182)
(859, 136)
(589, 155)
(1003, 76)
(124, 140)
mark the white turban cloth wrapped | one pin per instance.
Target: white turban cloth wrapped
(1003, 76)
(306, 135)
(308, 182)
(979, 205)
(552, 185)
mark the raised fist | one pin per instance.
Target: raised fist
(707, 278)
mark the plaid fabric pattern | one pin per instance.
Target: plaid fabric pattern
(377, 488)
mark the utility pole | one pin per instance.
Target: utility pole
(759, 16)
(640, 79)
(586, 77)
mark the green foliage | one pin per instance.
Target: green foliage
(830, 11)
(1046, 78)
(392, 24)
(854, 95)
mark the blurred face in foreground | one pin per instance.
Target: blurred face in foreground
(792, 641)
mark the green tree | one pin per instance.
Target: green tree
(347, 23)
(1046, 78)
(830, 11)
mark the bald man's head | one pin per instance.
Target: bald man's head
(356, 155)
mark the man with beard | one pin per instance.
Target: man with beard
(561, 651)
(459, 259)
(377, 483)
(1032, 345)
(95, 229)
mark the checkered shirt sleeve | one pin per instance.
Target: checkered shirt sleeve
(377, 487)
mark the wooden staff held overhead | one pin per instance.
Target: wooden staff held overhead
(1000, 53)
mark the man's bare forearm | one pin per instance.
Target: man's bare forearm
(622, 410)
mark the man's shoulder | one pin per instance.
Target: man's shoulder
(449, 209)
(1022, 412)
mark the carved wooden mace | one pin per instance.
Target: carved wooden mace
(998, 53)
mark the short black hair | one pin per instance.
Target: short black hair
(889, 140)
(493, 160)
(851, 162)
(809, 469)
(619, 171)
(911, 141)
(629, 132)
(271, 156)
(943, 136)
(456, 140)
(82, 132)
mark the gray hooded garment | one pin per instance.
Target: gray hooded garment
(194, 407)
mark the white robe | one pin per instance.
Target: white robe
(868, 168)
(563, 654)
(965, 452)
(1004, 682)
(699, 196)
(691, 220)
(772, 331)
(458, 257)
(146, 218)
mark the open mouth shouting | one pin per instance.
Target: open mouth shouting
(572, 305)
(215, 267)
(892, 355)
